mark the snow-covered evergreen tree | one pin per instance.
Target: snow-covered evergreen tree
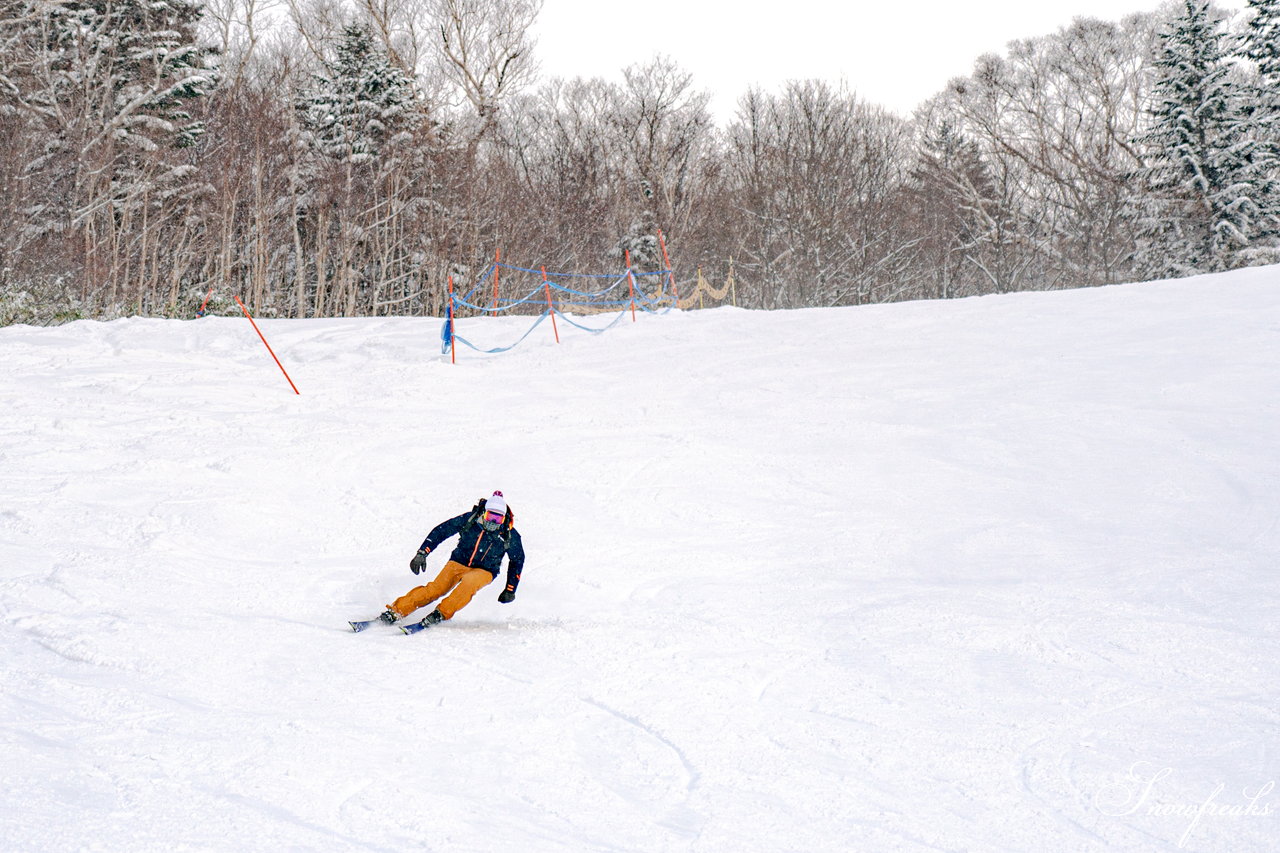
(1200, 211)
(103, 90)
(116, 72)
(1260, 46)
(360, 102)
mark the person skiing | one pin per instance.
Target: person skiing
(485, 534)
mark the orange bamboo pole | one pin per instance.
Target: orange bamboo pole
(497, 259)
(267, 345)
(550, 308)
(666, 259)
(453, 330)
(631, 285)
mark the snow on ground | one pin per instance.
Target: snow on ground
(987, 575)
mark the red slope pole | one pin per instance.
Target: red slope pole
(631, 284)
(267, 345)
(666, 259)
(550, 308)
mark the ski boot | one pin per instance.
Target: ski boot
(433, 618)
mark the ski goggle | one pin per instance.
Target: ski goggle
(492, 520)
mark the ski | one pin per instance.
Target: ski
(411, 628)
(359, 625)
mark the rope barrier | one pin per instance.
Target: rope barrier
(613, 323)
(496, 350)
(558, 296)
(704, 288)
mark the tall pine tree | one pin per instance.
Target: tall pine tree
(1260, 46)
(1200, 210)
(106, 87)
(114, 70)
(359, 102)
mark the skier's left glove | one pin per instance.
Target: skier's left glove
(508, 595)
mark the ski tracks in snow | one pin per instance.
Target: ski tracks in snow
(647, 792)
(894, 578)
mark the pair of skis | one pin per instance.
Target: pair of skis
(411, 628)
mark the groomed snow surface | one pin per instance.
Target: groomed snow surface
(996, 574)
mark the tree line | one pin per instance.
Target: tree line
(322, 160)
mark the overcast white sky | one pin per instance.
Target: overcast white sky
(895, 53)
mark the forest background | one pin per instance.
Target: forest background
(341, 159)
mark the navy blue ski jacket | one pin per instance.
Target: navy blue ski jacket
(477, 548)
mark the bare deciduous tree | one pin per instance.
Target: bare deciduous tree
(1058, 115)
(485, 49)
(816, 174)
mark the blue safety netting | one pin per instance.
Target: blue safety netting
(618, 294)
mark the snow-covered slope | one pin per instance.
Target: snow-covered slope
(988, 575)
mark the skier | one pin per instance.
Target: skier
(485, 534)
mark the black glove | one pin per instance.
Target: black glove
(508, 596)
(419, 561)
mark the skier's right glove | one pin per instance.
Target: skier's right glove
(419, 561)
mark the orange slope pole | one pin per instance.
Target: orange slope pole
(631, 285)
(453, 330)
(546, 286)
(497, 259)
(267, 345)
(666, 259)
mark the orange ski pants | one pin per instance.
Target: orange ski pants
(464, 582)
